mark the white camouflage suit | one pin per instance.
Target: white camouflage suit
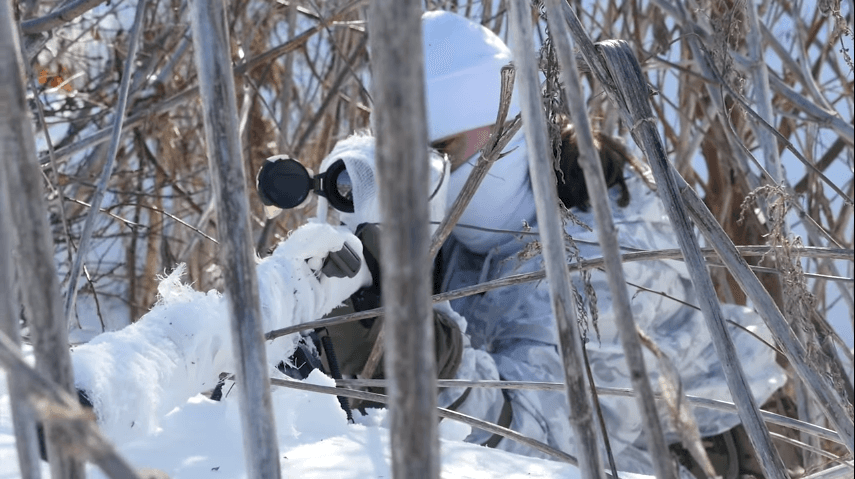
(512, 329)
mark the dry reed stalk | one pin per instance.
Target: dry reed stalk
(784, 335)
(217, 92)
(37, 280)
(401, 129)
(607, 235)
(630, 94)
(537, 276)
(500, 135)
(440, 412)
(59, 17)
(552, 238)
(23, 418)
(717, 404)
(634, 105)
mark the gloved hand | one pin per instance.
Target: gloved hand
(304, 252)
(354, 341)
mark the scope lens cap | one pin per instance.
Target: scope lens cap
(283, 182)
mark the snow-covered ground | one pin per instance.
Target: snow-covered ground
(202, 439)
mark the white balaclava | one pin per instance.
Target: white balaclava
(463, 63)
(358, 152)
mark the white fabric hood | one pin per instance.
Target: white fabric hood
(358, 152)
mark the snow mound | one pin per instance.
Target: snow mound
(202, 439)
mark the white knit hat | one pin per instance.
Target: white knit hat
(463, 63)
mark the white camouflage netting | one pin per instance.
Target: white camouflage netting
(516, 327)
(135, 376)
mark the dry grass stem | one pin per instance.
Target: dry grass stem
(441, 412)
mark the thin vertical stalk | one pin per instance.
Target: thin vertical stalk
(287, 83)
(402, 167)
(607, 235)
(820, 384)
(37, 278)
(762, 95)
(23, 418)
(632, 98)
(107, 172)
(211, 48)
(772, 160)
(552, 236)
